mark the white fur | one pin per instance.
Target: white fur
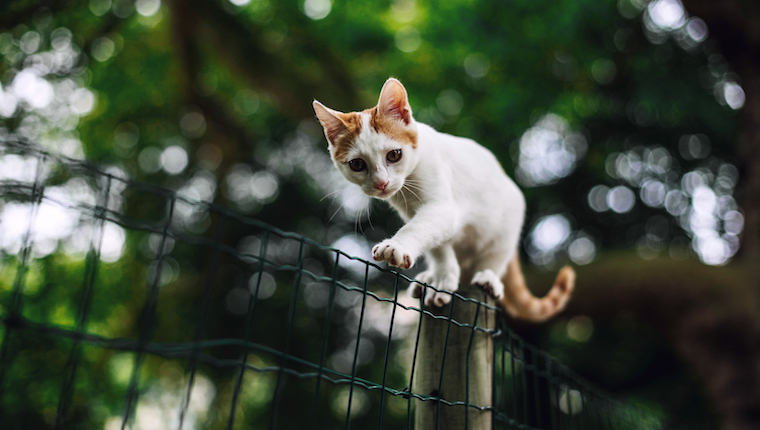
(461, 210)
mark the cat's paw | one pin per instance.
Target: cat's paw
(445, 282)
(416, 289)
(393, 253)
(489, 282)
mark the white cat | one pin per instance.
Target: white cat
(461, 210)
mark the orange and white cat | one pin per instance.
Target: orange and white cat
(459, 207)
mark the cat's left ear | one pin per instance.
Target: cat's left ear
(330, 120)
(394, 102)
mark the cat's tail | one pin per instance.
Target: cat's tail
(522, 304)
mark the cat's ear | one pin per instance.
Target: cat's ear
(330, 120)
(393, 101)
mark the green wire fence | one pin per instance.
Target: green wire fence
(146, 308)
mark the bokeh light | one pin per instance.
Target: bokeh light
(250, 189)
(317, 9)
(147, 7)
(100, 7)
(408, 39)
(174, 160)
(667, 14)
(549, 151)
(582, 250)
(477, 65)
(546, 238)
(620, 199)
(700, 200)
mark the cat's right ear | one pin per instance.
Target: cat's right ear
(394, 102)
(330, 120)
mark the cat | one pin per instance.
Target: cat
(460, 208)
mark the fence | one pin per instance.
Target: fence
(125, 305)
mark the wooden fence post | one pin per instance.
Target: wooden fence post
(455, 376)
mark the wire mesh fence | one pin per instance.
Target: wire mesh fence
(127, 305)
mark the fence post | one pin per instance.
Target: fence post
(459, 370)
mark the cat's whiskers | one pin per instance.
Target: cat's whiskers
(335, 213)
(413, 182)
(406, 204)
(358, 223)
(408, 187)
(332, 194)
(369, 217)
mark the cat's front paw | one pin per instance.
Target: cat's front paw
(393, 253)
(446, 283)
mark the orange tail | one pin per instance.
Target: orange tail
(522, 304)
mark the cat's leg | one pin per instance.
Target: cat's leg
(432, 227)
(442, 273)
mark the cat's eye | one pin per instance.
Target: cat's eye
(393, 156)
(357, 165)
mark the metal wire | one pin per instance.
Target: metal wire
(531, 389)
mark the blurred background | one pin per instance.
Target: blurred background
(631, 125)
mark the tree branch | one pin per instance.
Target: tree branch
(288, 84)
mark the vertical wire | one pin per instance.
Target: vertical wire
(550, 378)
(91, 269)
(388, 351)
(356, 349)
(443, 365)
(524, 377)
(13, 317)
(467, 370)
(414, 362)
(584, 411)
(514, 376)
(536, 386)
(202, 317)
(325, 339)
(248, 324)
(569, 402)
(494, 374)
(504, 369)
(291, 318)
(146, 318)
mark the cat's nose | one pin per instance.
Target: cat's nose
(380, 185)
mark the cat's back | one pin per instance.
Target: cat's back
(477, 180)
(466, 157)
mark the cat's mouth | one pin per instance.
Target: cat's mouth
(384, 194)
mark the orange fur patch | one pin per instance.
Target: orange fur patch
(344, 139)
(352, 122)
(391, 127)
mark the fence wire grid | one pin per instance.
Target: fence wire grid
(131, 306)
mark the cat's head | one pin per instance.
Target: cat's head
(376, 148)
